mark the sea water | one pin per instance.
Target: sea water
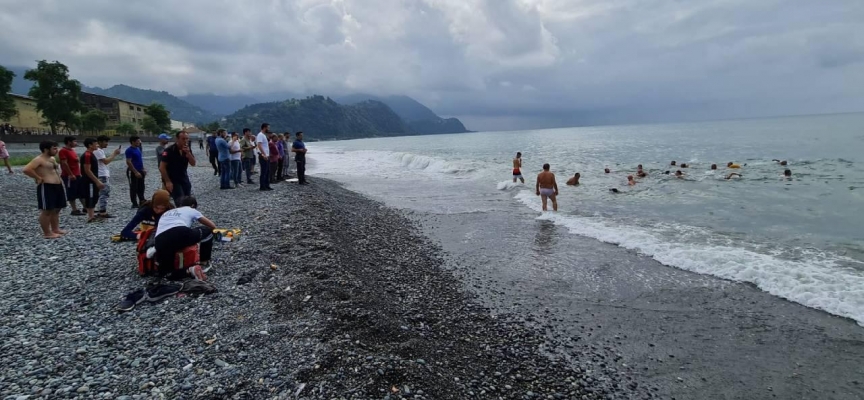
(800, 239)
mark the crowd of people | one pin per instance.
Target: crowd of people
(8, 129)
(547, 188)
(63, 177)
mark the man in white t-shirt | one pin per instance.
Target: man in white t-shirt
(104, 175)
(174, 233)
(262, 144)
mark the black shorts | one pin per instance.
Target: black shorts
(88, 193)
(71, 187)
(50, 196)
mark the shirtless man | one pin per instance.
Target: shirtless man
(517, 168)
(547, 188)
(630, 181)
(50, 195)
(733, 175)
(574, 181)
(640, 172)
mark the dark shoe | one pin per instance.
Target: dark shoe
(135, 207)
(265, 189)
(159, 292)
(250, 182)
(78, 212)
(104, 215)
(131, 300)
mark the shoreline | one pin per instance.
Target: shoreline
(359, 305)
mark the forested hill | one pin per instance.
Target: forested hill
(321, 118)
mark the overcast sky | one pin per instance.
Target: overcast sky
(496, 64)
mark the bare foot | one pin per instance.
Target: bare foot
(52, 236)
(61, 232)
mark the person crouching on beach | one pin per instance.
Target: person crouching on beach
(148, 215)
(547, 188)
(174, 233)
(50, 195)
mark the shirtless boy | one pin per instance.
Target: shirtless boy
(50, 195)
(517, 168)
(547, 188)
(574, 181)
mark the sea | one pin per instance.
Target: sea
(799, 239)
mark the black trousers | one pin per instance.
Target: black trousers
(279, 169)
(168, 243)
(214, 161)
(301, 171)
(136, 187)
(264, 177)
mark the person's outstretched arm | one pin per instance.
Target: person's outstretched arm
(206, 222)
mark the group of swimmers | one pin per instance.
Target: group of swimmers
(547, 188)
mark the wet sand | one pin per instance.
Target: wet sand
(682, 334)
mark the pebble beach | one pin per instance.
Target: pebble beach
(325, 295)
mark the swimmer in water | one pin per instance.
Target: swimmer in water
(783, 163)
(672, 164)
(639, 172)
(685, 166)
(607, 170)
(547, 188)
(732, 165)
(630, 181)
(517, 168)
(787, 174)
(713, 167)
(574, 181)
(733, 175)
(614, 190)
(679, 174)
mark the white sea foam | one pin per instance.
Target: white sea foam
(507, 185)
(385, 163)
(819, 282)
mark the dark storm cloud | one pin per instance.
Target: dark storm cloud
(510, 63)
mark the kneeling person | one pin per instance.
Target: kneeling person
(175, 232)
(148, 215)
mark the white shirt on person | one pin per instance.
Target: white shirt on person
(104, 172)
(261, 139)
(182, 216)
(235, 145)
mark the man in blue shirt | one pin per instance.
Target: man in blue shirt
(299, 150)
(135, 171)
(223, 154)
(213, 152)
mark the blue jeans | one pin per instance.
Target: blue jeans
(224, 174)
(247, 166)
(264, 173)
(235, 172)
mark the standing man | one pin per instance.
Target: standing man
(70, 172)
(236, 157)
(517, 168)
(90, 185)
(163, 142)
(50, 196)
(200, 142)
(213, 152)
(274, 156)
(247, 145)
(135, 171)
(280, 146)
(175, 160)
(547, 188)
(263, 145)
(224, 157)
(299, 150)
(104, 174)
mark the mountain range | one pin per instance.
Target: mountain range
(359, 111)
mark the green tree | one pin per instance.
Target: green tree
(73, 123)
(57, 96)
(211, 127)
(94, 121)
(7, 104)
(126, 129)
(148, 124)
(161, 117)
